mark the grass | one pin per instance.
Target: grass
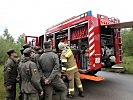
(2, 89)
(128, 64)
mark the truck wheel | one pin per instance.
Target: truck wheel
(94, 72)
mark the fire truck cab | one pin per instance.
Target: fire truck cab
(95, 41)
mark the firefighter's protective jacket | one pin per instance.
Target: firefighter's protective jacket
(68, 57)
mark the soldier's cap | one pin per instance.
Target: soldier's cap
(47, 44)
(9, 52)
(26, 46)
(61, 45)
(37, 48)
(22, 49)
(28, 51)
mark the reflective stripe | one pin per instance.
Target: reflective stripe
(63, 68)
(74, 67)
(68, 53)
(72, 89)
(80, 86)
(63, 60)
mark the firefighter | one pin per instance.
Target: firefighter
(30, 77)
(70, 67)
(10, 75)
(49, 64)
(86, 57)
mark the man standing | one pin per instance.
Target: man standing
(49, 64)
(70, 67)
(30, 77)
(10, 75)
(39, 52)
(19, 60)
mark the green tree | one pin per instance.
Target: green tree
(7, 36)
(6, 43)
(127, 41)
(20, 40)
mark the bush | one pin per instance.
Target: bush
(128, 64)
(2, 90)
(127, 41)
(5, 45)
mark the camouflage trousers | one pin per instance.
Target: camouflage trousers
(11, 93)
(58, 85)
(31, 96)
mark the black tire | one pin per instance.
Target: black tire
(94, 72)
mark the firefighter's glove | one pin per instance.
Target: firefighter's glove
(64, 67)
(64, 64)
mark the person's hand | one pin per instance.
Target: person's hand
(63, 71)
(8, 87)
(41, 94)
(46, 81)
(18, 78)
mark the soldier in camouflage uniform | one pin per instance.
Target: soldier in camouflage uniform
(70, 67)
(10, 75)
(39, 52)
(49, 64)
(30, 77)
(20, 59)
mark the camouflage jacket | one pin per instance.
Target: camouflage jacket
(49, 64)
(10, 71)
(30, 76)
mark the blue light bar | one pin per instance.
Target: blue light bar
(89, 13)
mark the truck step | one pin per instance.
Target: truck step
(117, 67)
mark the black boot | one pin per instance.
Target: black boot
(81, 94)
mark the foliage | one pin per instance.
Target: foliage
(7, 37)
(127, 42)
(2, 91)
(128, 64)
(7, 42)
(20, 40)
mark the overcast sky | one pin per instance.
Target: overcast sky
(33, 17)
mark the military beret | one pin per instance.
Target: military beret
(26, 46)
(21, 50)
(9, 52)
(28, 51)
(37, 48)
(47, 44)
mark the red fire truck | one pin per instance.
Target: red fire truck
(95, 41)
